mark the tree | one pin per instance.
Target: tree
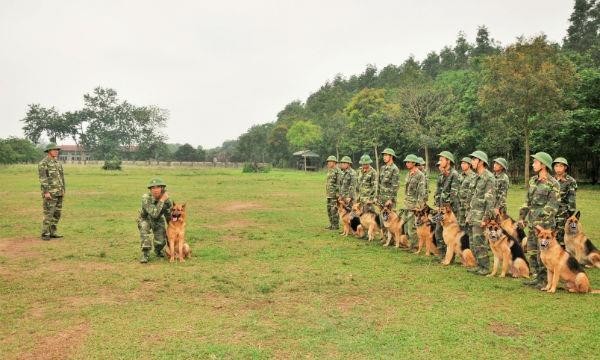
(253, 145)
(39, 120)
(484, 45)
(583, 30)
(431, 64)
(201, 153)
(186, 152)
(524, 85)
(303, 134)
(462, 51)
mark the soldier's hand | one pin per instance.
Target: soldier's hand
(164, 197)
(47, 196)
(348, 200)
(521, 224)
(497, 212)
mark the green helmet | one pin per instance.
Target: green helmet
(544, 158)
(365, 159)
(156, 182)
(389, 151)
(51, 146)
(448, 155)
(421, 161)
(560, 160)
(332, 158)
(466, 159)
(411, 158)
(502, 161)
(480, 155)
(346, 159)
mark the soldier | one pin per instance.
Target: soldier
(446, 192)
(367, 183)
(156, 208)
(421, 166)
(332, 191)
(52, 183)
(502, 184)
(465, 192)
(568, 194)
(348, 181)
(414, 197)
(481, 210)
(389, 179)
(540, 209)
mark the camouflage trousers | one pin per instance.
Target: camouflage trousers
(560, 230)
(152, 230)
(332, 214)
(409, 228)
(479, 246)
(533, 250)
(52, 212)
(439, 239)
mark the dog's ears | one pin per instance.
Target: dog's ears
(174, 204)
(183, 206)
(538, 229)
(577, 214)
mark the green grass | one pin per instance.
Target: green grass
(265, 280)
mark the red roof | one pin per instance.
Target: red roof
(69, 148)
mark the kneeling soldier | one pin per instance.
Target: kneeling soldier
(156, 208)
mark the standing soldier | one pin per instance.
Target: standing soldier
(481, 210)
(421, 166)
(568, 194)
(446, 192)
(52, 183)
(540, 209)
(156, 208)
(367, 183)
(348, 182)
(502, 184)
(414, 197)
(465, 192)
(332, 191)
(389, 179)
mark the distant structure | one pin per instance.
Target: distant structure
(73, 153)
(307, 160)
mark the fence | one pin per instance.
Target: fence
(190, 164)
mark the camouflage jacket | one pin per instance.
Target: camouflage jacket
(154, 210)
(367, 185)
(465, 191)
(389, 182)
(332, 186)
(481, 207)
(502, 184)
(52, 178)
(542, 202)
(415, 193)
(348, 183)
(447, 190)
(568, 195)
(426, 181)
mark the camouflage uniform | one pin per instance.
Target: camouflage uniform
(465, 193)
(415, 198)
(501, 189)
(567, 203)
(425, 177)
(389, 182)
(367, 185)
(481, 209)
(52, 180)
(446, 192)
(332, 191)
(348, 184)
(151, 221)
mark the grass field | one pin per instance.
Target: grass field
(265, 280)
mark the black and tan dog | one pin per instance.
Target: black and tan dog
(366, 220)
(457, 241)
(425, 231)
(579, 245)
(394, 225)
(177, 248)
(505, 249)
(346, 216)
(513, 228)
(560, 264)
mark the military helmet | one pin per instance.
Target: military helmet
(502, 161)
(448, 155)
(411, 158)
(421, 161)
(544, 158)
(560, 160)
(480, 155)
(156, 182)
(332, 158)
(389, 151)
(466, 160)
(51, 146)
(365, 159)
(346, 159)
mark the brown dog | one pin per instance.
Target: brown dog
(368, 220)
(394, 226)
(457, 242)
(425, 231)
(513, 228)
(579, 245)
(176, 234)
(560, 265)
(345, 213)
(506, 249)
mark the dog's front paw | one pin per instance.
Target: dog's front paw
(552, 290)
(502, 275)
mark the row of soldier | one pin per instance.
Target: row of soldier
(476, 195)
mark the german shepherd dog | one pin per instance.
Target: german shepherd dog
(579, 245)
(560, 265)
(345, 213)
(176, 234)
(367, 220)
(457, 241)
(425, 231)
(506, 248)
(512, 228)
(394, 225)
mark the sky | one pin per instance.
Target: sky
(220, 67)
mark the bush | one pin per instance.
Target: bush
(256, 168)
(112, 164)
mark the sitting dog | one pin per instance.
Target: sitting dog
(345, 213)
(367, 220)
(560, 265)
(176, 234)
(579, 245)
(457, 241)
(425, 231)
(394, 225)
(505, 249)
(513, 228)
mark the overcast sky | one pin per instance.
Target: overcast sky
(221, 66)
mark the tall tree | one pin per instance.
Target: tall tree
(583, 29)
(304, 134)
(40, 120)
(462, 51)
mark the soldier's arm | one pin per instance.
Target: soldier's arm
(572, 196)
(62, 175)
(551, 207)
(375, 187)
(43, 175)
(395, 180)
(155, 211)
(489, 199)
(421, 192)
(502, 189)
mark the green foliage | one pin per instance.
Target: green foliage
(14, 150)
(253, 167)
(112, 164)
(186, 152)
(303, 134)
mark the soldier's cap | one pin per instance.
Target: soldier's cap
(448, 155)
(560, 160)
(51, 146)
(544, 158)
(389, 151)
(365, 159)
(156, 182)
(411, 158)
(480, 155)
(332, 158)
(421, 161)
(346, 159)
(502, 161)
(466, 160)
